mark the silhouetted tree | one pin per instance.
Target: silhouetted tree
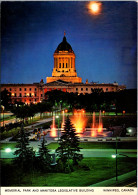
(5, 98)
(69, 146)
(24, 154)
(43, 161)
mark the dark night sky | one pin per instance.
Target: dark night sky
(105, 45)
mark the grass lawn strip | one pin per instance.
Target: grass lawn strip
(100, 169)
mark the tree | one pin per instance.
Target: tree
(69, 146)
(43, 161)
(24, 154)
(5, 98)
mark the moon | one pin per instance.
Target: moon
(95, 7)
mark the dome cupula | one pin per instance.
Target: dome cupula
(64, 64)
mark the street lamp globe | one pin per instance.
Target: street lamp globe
(7, 150)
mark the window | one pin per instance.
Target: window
(15, 94)
(76, 89)
(30, 89)
(24, 89)
(35, 89)
(20, 95)
(59, 65)
(10, 89)
(66, 65)
(20, 89)
(86, 89)
(63, 65)
(106, 89)
(41, 95)
(35, 94)
(30, 95)
(81, 89)
(35, 100)
(25, 94)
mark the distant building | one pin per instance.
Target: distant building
(64, 78)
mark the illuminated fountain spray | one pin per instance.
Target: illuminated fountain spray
(63, 120)
(53, 132)
(79, 121)
(100, 127)
(96, 127)
(93, 131)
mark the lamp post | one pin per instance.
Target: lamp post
(115, 156)
(58, 126)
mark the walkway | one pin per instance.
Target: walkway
(125, 178)
(40, 122)
(85, 152)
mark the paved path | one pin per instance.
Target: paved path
(40, 122)
(85, 152)
(121, 179)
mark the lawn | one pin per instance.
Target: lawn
(100, 145)
(92, 169)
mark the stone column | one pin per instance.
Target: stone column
(57, 63)
(74, 63)
(69, 63)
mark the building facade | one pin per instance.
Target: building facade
(64, 78)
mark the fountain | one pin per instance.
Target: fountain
(93, 130)
(79, 121)
(63, 120)
(53, 132)
(97, 128)
(100, 127)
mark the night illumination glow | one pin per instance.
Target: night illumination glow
(113, 156)
(130, 130)
(95, 7)
(7, 150)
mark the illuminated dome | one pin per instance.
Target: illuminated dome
(64, 64)
(64, 46)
